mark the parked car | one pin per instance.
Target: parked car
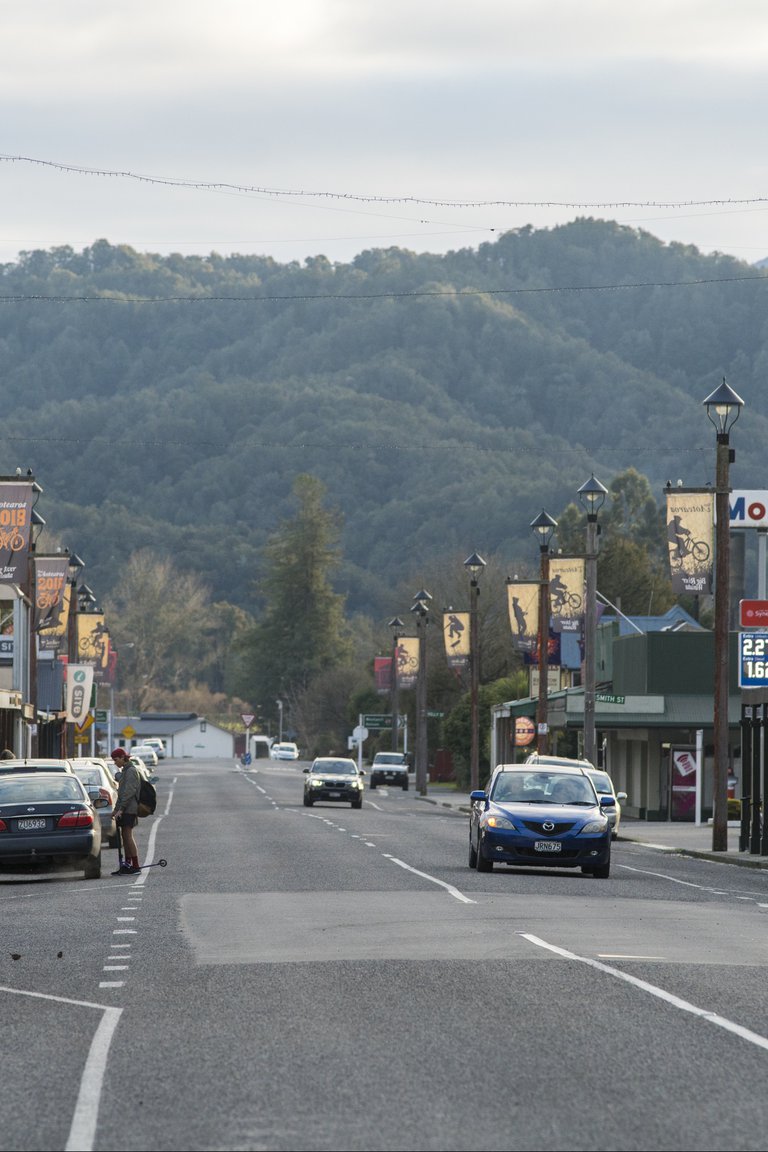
(284, 751)
(390, 768)
(604, 787)
(36, 764)
(334, 779)
(157, 744)
(147, 753)
(540, 815)
(601, 780)
(96, 776)
(49, 817)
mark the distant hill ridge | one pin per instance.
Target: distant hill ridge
(169, 401)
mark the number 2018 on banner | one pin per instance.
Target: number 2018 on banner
(753, 659)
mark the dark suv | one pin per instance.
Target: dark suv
(335, 779)
(390, 768)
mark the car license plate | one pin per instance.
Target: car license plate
(334, 795)
(547, 846)
(31, 824)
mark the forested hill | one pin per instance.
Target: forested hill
(443, 400)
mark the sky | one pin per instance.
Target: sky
(293, 128)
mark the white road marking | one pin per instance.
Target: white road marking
(111, 983)
(115, 967)
(626, 956)
(83, 1128)
(653, 990)
(674, 880)
(433, 879)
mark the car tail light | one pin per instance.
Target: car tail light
(78, 819)
(104, 795)
(3, 826)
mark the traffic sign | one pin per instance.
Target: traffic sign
(248, 719)
(128, 732)
(753, 613)
(360, 733)
(85, 724)
(378, 720)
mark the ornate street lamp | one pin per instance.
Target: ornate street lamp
(723, 409)
(592, 496)
(420, 609)
(544, 528)
(474, 565)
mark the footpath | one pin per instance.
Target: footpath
(665, 836)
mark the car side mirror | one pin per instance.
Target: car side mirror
(361, 771)
(621, 797)
(97, 799)
(607, 802)
(478, 796)
(305, 769)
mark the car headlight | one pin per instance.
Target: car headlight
(315, 783)
(594, 827)
(356, 784)
(496, 821)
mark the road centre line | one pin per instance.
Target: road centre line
(668, 998)
(433, 879)
(674, 880)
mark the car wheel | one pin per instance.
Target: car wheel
(357, 803)
(92, 868)
(372, 785)
(405, 786)
(308, 802)
(472, 855)
(603, 872)
(614, 835)
(483, 865)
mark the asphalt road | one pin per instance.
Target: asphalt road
(334, 979)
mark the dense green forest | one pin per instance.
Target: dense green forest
(170, 402)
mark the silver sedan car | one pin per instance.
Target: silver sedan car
(604, 787)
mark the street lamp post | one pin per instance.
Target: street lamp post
(592, 495)
(397, 626)
(280, 723)
(420, 609)
(723, 409)
(474, 565)
(544, 526)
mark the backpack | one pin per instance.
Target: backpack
(147, 798)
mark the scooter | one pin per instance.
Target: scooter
(121, 860)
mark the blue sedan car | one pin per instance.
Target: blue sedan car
(534, 816)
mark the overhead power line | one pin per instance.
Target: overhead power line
(366, 198)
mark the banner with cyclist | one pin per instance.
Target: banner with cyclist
(523, 606)
(407, 661)
(50, 581)
(16, 498)
(92, 640)
(690, 538)
(53, 637)
(566, 592)
(456, 636)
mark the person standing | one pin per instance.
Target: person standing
(126, 811)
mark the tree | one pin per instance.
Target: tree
(302, 632)
(158, 619)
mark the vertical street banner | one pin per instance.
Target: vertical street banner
(50, 581)
(78, 692)
(382, 674)
(92, 639)
(566, 592)
(456, 636)
(15, 523)
(523, 604)
(690, 538)
(53, 637)
(407, 661)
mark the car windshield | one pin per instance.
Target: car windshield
(389, 758)
(338, 767)
(602, 783)
(16, 791)
(542, 788)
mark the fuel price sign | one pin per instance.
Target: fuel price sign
(753, 659)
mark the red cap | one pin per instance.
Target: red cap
(119, 752)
